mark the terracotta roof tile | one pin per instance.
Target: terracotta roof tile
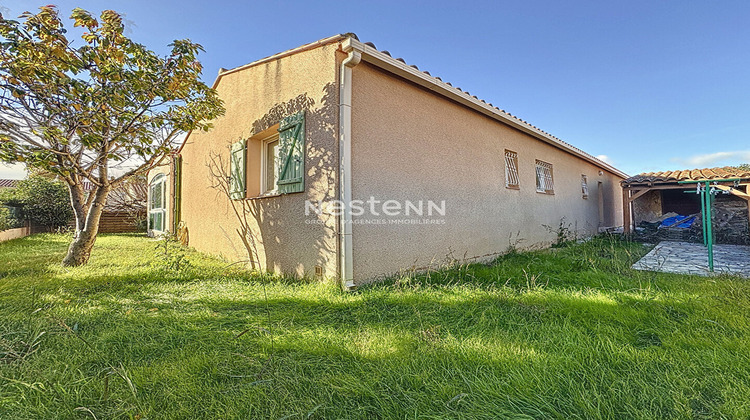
(719, 172)
(726, 172)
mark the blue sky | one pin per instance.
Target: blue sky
(651, 85)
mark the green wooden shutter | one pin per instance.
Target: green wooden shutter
(237, 170)
(292, 154)
(177, 208)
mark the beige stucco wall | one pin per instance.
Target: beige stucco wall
(271, 233)
(411, 144)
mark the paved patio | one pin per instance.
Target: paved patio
(690, 258)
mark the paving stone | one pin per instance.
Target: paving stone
(692, 258)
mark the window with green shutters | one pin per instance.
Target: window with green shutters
(237, 167)
(280, 157)
(291, 168)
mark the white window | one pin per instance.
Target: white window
(584, 186)
(511, 169)
(157, 204)
(270, 165)
(544, 179)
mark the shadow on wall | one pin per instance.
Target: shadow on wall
(270, 229)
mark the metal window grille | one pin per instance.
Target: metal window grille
(584, 186)
(511, 169)
(544, 180)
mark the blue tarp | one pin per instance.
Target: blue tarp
(687, 221)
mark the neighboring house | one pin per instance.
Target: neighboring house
(434, 174)
(650, 196)
(8, 183)
(115, 218)
(126, 208)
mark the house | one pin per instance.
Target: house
(125, 209)
(8, 183)
(649, 197)
(335, 159)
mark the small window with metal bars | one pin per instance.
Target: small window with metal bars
(584, 186)
(511, 170)
(544, 180)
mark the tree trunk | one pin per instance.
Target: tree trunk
(77, 200)
(87, 226)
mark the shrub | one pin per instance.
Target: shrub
(170, 255)
(42, 201)
(7, 221)
(564, 235)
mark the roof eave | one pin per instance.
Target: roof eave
(656, 182)
(301, 48)
(390, 64)
(224, 72)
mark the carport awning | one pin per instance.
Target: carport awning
(673, 177)
(732, 180)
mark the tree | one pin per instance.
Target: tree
(42, 201)
(79, 111)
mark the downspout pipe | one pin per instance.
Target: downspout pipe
(346, 270)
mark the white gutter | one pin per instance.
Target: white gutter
(345, 163)
(391, 65)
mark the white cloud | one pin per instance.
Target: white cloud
(14, 171)
(715, 159)
(605, 158)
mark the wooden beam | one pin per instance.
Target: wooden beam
(640, 193)
(626, 226)
(733, 191)
(662, 187)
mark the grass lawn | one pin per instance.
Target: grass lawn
(566, 333)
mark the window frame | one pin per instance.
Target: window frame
(511, 166)
(547, 186)
(238, 171)
(264, 190)
(159, 181)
